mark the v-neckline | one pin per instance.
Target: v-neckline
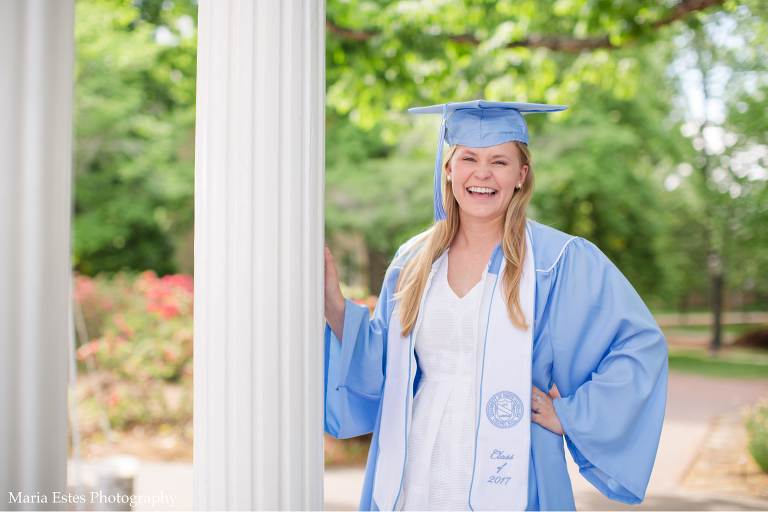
(447, 257)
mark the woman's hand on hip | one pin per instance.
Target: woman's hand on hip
(543, 412)
(334, 300)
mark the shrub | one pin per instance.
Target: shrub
(359, 295)
(140, 327)
(141, 342)
(757, 428)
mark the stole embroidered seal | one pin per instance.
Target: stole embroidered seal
(504, 409)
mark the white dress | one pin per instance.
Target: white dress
(438, 471)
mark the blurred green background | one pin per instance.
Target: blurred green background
(662, 161)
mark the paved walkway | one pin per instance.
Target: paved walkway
(692, 404)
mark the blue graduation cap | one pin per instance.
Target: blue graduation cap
(479, 124)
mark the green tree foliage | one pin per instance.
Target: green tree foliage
(385, 56)
(596, 174)
(601, 167)
(721, 71)
(373, 189)
(625, 167)
(735, 171)
(134, 124)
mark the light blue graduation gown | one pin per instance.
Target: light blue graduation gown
(593, 337)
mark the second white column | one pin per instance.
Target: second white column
(259, 189)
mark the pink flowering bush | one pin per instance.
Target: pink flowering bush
(141, 342)
(359, 295)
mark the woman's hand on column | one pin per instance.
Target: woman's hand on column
(334, 300)
(543, 412)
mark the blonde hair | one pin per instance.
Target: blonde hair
(435, 240)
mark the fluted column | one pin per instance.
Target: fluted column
(259, 185)
(36, 69)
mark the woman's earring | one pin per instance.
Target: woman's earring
(519, 185)
(449, 178)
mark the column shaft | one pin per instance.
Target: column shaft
(36, 72)
(259, 190)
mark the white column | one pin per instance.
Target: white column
(36, 69)
(259, 186)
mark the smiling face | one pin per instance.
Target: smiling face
(484, 180)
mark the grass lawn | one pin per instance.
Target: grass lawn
(730, 363)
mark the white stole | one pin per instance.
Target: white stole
(503, 436)
(502, 444)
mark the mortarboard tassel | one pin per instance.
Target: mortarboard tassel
(439, 208)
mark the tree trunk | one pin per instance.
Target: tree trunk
(717, 279)
(377, 267)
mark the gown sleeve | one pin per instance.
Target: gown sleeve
(354, 368)
(610, 366)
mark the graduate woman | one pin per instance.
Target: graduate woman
(479, 317)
